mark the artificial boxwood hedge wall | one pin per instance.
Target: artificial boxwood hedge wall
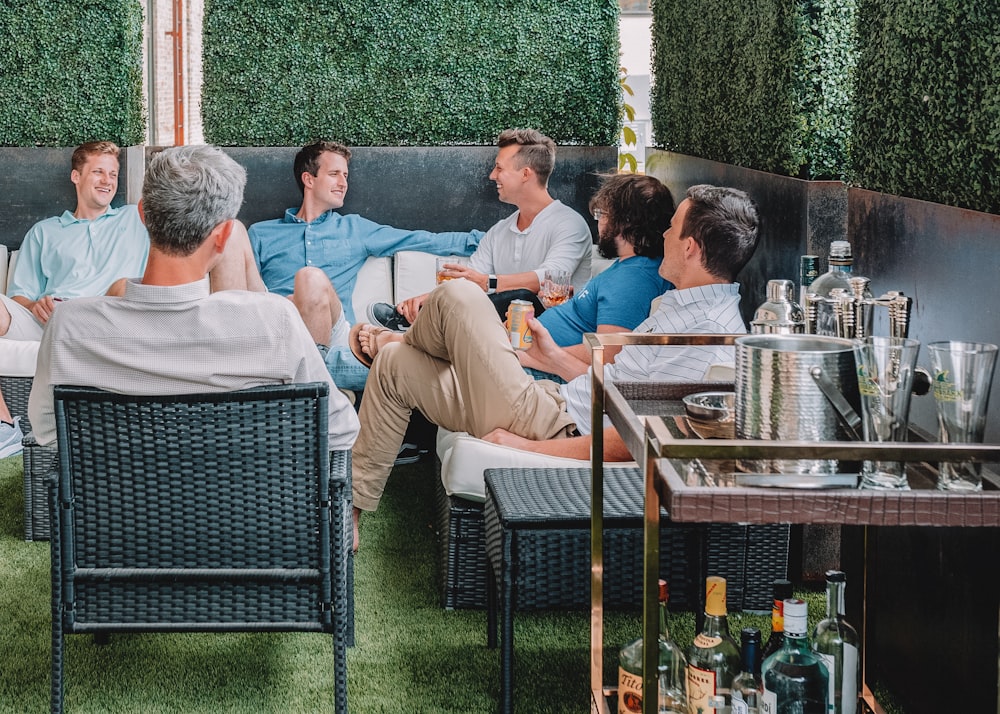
(409, 72)
(898, 96)
(763, 84)
(928, 103)
(72, 72)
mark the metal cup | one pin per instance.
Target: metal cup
(963, 374)
(885, 381)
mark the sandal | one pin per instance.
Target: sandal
(355, 342)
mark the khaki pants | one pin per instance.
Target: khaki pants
(457, 367)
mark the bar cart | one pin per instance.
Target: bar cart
(689, 478)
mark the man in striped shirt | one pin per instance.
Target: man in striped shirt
(456, 365)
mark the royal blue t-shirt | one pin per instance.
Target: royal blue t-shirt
(620, 295)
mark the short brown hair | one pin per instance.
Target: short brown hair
(537, 152)
(93, 148)
(725, 223)
(308, 158)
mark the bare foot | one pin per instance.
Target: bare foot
(373, 338)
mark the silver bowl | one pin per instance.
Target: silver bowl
(711, 406)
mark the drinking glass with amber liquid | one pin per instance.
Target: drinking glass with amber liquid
(556, 288)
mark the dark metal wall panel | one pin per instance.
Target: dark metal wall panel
(35, 184)
(947, 260)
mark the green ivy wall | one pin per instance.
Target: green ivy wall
(928, 108)
(72, 72)
(897, 96)
(409, 72)
(763, 84)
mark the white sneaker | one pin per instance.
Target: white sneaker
(11, 438)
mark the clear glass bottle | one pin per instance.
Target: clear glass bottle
(672, 666)
(714, 658)
(747, 687)
(837, 277)
(838, 643)
(780, 590)
(795, 679)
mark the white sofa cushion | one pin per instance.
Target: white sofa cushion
(414, 274)
(17, 358)
(464, 458)
(374, 284)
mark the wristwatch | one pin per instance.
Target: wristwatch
(491, 284)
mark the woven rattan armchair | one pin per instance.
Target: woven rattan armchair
(199, 513)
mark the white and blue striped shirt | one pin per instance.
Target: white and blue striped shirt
(708, 309)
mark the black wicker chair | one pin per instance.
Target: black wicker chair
(199, 513)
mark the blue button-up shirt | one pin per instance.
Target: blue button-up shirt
(339, 246)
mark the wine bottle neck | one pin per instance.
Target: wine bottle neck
(664, 626)
(834, 599)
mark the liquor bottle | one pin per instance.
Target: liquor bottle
(795, 679)
(671, 693)
(780, 589)
(837, 642)
(714, 659)
(837, 277)
(808, 272)
(747, 687)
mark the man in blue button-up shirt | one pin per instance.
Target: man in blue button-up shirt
(292, 251)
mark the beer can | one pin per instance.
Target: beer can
(517, 323)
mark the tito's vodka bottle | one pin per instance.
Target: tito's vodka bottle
(837, 642)
(671, 670)
(714, 659)
(795, 678)
(747, 686)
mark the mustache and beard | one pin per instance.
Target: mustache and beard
(606, 245)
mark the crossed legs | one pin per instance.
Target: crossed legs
(456, 365)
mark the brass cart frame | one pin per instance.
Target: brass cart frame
(652, 444)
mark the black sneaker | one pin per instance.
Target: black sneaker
(409, 454)
(384, 314)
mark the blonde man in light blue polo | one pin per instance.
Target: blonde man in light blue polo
(80, 253)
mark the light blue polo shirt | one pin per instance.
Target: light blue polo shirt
(69, 257)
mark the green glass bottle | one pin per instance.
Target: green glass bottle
(795, 679)
(747, 687)
(714, 658)
(671, 666)
(838, 643)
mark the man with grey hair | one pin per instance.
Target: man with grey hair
(168, 333)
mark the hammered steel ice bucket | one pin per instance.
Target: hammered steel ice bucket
(786, 388)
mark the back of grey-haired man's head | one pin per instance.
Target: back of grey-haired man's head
(187, 192)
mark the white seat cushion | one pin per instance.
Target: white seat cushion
(414, 274)
(374, 284)
(464, 458)
(17, 358)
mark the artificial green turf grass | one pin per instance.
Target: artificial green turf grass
(411, 655)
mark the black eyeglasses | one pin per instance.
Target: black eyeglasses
(598, 214)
